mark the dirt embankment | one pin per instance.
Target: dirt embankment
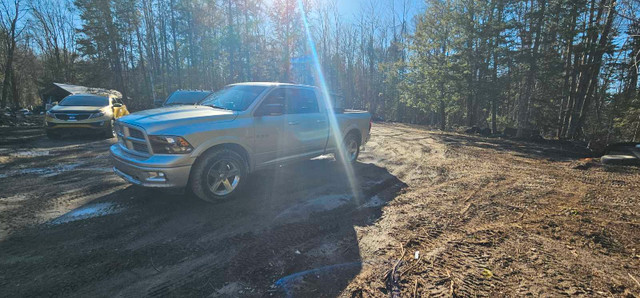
(490, 217)
(487, 217)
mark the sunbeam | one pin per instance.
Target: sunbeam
(333, 122)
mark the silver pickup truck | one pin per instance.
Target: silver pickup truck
(212, 147)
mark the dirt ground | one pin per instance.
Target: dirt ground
(427, 214)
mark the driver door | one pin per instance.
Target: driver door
(269, 130)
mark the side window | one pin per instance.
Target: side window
(275, 98)
(301, 101)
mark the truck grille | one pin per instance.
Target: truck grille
(132, 139)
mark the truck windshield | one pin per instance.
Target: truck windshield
(235, 98)
(182, 97)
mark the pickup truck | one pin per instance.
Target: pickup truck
(211, 147)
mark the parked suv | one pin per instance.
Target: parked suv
(85, 112)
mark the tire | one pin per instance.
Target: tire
(218, 175)
(52, 135)
(108, 132)
(352, 149)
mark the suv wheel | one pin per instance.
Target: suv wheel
(109, 131)
(219, 175)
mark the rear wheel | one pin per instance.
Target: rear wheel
(219, 175)
(352, 149)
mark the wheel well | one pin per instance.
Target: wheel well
(356, 132)
(231, 146)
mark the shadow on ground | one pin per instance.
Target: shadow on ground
(547, 149)
(291, 233)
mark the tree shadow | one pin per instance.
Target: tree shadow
(556, 150)
(291, 233)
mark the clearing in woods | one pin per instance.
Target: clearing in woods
(439, 214)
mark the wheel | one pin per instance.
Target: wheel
(219, 175)
(352, 149)
(109, 131)
(52, 135)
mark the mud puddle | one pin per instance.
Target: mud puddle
(86, 212)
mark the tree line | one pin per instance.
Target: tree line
(566, 68)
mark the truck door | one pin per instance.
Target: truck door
(269, 128)
(307, 126)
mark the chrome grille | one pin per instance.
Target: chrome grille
(132, 139)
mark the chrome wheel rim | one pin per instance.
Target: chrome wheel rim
(223, 177)
(352, 149)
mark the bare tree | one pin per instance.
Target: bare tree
(10, 20)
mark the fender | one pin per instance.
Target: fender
(227, 139)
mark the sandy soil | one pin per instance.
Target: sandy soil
(432, 214)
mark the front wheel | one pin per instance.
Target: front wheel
(109, 131)
(219, 175)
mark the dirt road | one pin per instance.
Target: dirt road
(431, 214)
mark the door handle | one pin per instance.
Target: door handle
(294, 122)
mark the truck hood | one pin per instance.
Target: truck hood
(161, 119)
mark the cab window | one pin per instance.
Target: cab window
(301, 101)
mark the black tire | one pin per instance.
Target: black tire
(52, 135)
(203, 183)
(108, 131)
(351, 154)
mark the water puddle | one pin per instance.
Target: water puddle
(373, 202)
(303, 210)
(14, 199)
(44, 172)
(30, 153)
(89, 211)
(331, 279)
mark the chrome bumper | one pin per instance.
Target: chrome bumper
(148, 176)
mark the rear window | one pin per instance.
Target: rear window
(301, 101)
(85, 100)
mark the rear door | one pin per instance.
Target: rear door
(307, 125)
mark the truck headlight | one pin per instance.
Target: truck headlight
(96, 115)
(170, 145)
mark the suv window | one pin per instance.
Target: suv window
(301, 101)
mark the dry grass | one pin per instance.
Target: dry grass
(499, 218)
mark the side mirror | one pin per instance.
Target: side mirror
(117, 105)
(270, 110)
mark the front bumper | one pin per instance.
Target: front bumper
(135, 171)
(95, 123)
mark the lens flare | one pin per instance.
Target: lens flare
(334, 128)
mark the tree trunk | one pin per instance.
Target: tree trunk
(11, 47)
(525, 97)
(591, 79)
